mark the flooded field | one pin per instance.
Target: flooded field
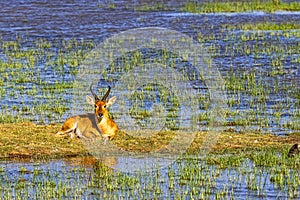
(257, 54)
(226, 177)
(249, 76)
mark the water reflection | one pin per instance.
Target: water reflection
(87, 177)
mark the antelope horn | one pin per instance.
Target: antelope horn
(93, 93)
(106, 94)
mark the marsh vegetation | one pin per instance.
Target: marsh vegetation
(254, 45)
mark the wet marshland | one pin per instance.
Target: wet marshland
(44, 45)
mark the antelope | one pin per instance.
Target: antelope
(95, 124)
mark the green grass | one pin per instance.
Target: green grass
(265, 76)
(240, 6)
(252, 158)
(87, 177)
(247, 158)
(146, 7)
(270, 26)
(263, 26)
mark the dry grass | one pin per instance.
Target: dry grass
(30, 140)
(39, 141)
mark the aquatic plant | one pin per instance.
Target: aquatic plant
(239, 6)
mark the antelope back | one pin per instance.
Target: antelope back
(87, 126)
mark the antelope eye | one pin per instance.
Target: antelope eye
(95, 106)
(104, 106)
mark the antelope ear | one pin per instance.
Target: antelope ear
(90, 100)
(111, 101)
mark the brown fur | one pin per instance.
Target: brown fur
(92, 125)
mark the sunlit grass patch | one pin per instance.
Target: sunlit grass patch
(240, 6)
(30, 140)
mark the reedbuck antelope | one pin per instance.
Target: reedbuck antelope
(91, 125)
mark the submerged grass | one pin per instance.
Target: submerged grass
(256, 69)
(246, 162)
(269, 26)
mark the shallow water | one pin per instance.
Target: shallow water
(270, 103)
(85, 178)
(99, 20)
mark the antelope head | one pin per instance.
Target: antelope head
(101, 105)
